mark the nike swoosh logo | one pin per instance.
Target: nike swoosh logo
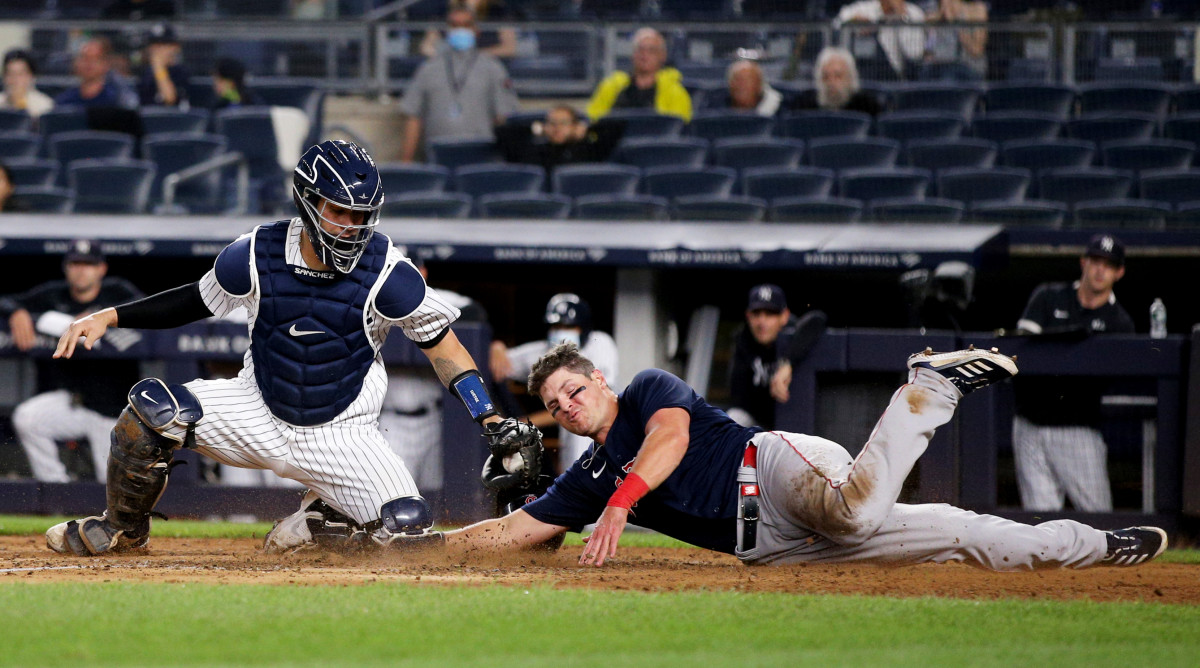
(146, 396)
(597, 472)
(302, 332)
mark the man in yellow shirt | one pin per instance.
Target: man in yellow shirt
(649, 86)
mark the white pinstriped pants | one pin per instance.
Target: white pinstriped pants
(1054, 462)
(42, 420)
(348, 463)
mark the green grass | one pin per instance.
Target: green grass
(403, 625)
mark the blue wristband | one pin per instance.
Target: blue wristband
(469, 388)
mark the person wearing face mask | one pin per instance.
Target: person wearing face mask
(569, 319)
(501, 43)
(459, 92)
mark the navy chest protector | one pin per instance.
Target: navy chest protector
(309, 344)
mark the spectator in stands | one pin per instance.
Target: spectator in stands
(748, 91)
(568, 318)
(229, 85)
(75, 401)
(459, 93)
(836, 85)
(563, 138)
(1058, 449)
(164, 79)
(651, 85)
(20, 89)
(898, 50)
(98, 85)
(765, 349)
(500, 43)
(956, 53)
(137, 10)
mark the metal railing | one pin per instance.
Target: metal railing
(218, 163)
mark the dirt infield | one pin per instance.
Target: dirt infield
(226, 561)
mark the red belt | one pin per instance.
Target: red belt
(747, 478)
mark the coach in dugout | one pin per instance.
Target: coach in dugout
(83, 399)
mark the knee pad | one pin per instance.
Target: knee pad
(161, 407)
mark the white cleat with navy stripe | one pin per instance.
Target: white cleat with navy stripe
(968, 369)
(1133, 546)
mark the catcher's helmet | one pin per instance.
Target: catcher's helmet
(338, 172)
(568, 310)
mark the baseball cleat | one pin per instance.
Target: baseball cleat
(91, 536)
(969, 369)
(1133, 546)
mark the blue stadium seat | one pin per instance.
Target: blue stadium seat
(1071, 185)
(815, 210)
(772, 183)
(18, 145)
(306, 97)
(937, 154)
(32, 172)
(403, 178)
(62, 119)
(156, 120)
(1003, 126)
(1122, 214)
(677, 152)
(551, 67)
(621, 207)
(645, 123)
(880, 183)
(1038, 156)
(480, 180)
(842, 153)
(1186, 216)
(672, 182)
(595, 179)
(808, 125)
(66, 147)
(427, 205)
(1129, 69)
(740, 153)
(917, 210)
(1120, 98)
(959, 100)
(723, 125)
(455, 153)
(973, 185)
(525, 117)
(1175, 186)
(1053, 99)
(729, 208)
(251, 132)
(906, 126)
(526, 206)
(1143, 154)
(1184, 126)
(111, 185)
(1029, 213)
(1187, 99)
(45, 199)
(14, 120)
(1106, 127)
(1029, 70)
(172, 152)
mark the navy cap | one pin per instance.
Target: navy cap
(766, 297)
(84, 250)
(1108, 247)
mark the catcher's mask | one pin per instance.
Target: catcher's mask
(339, 173)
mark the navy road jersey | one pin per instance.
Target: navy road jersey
(697, 503)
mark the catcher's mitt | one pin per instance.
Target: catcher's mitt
(520, 469)
(510, 435)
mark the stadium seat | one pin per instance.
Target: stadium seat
(1175, 186)
(724, 125)
(906, 126)
(403, 178)
(740, 153)
(1129, 69)
(971, 185)
(1056, 100)
(1144, 154)
(595, 179)
(644, 123)
(455, 153)
(916, 210)
(525, 117)
(62, 119)
(1029, 213)
(157, 120)
(18, 145)
(808, 125)
(937, 154)
(1037, 156)
(730, 208)
(1071, 185)
(1113, 98)
(677, 152)
(1187, 99)
(1106, 127)
(881, 183)
(251, 132)
(1029, 70)
(111, 185)
(480, 180)
(550, 67)
(14, 120)
(621, 207)
(959, 100)
(1003, 126)
(815, 210)
(66, 147)
(530, 206)
(1186, 216)
(427, 205)
(172, 152)
(1185, 127)
(306, 97)
(672, 182)
(841, 153)
(45, 199)
(32, 172)
(1122, 214)
(772, 183)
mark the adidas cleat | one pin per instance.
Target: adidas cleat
(1133, 546)
(969, 369)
